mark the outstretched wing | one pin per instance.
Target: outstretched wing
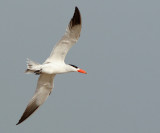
(44, 88)
(68, 40)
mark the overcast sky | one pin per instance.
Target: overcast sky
(119, 47)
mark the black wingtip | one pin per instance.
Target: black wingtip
(77, 16)
(18, 123)
(29, 111)
(76, 8)
(76, 19)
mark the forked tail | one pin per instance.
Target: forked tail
(33, 67)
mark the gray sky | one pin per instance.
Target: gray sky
(119, 47)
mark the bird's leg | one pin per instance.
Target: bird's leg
(38, 72)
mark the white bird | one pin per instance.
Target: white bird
(53, 65)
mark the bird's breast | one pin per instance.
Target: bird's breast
(53, 68)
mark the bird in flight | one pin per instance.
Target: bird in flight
(53, 65)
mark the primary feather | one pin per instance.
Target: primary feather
(70, 37)
(44, 88)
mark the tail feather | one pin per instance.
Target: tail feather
(31, 63)
(27, 71)
(32, 66)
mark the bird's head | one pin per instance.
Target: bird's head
(75, 68)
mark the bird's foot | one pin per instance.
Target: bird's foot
(38, 72)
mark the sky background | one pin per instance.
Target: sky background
(119, 47)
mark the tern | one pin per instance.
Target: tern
(53, 65)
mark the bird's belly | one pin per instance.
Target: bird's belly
(53, 69)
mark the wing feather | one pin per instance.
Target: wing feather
(44, 88)
(71, 36)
